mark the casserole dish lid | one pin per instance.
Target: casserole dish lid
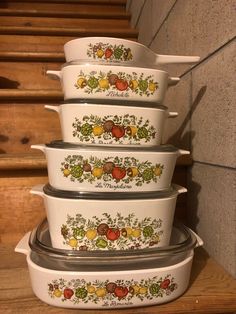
(51, 191)
(124, 103)
(125, 64)
(155, 149)
(182, 241)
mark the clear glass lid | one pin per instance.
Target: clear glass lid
(155, 149)
(182, 241)
(117, 196)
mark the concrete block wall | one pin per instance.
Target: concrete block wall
(205, 100)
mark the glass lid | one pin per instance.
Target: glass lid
(126, 64)
(155, 149)
(51, 191)
(182, 241)
(115, 102)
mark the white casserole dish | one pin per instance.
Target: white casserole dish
(106, 169)
(82, 280)
(106, 82)
(111, 125)
(109, 221)
(117, 50)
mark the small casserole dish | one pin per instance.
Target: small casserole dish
(106, 82)
(116, 50)
(107, 169)
(109, 221)
(113, 125)
(103, 280)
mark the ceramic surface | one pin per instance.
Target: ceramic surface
(108, 170)
(106, 224)
(116, 50)
(106, 289)
(111, 125)
(108, 82)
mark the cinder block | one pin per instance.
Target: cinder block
(199, 27)
(160, 45)
(213, 121)
(135, 8)
(177, 130)
(211, 211)
(213, 24)
(153, 15)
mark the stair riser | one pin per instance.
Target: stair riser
(22, 125)
(96, 2)
(28, 22)
(34, 44)
(75, 14)
(62, 7)
(23, 211)
(28, 75)
(121, 32)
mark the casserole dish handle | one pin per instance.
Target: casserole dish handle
(180, 189)
(168, 59)
(172, 114)
(172, 81)
(53, 108)
(199, 240)
(39, 146)
(183, 152)
(55, 75)
(23, 245)
(37, 190)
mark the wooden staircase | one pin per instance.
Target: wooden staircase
(32, 35)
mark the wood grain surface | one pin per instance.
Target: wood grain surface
(33, 44)
(211, 290)
(22, 211)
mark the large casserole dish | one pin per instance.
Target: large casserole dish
(109, 221)
(103, 280)
(115, 50)
(101, 124)
(106, 169)
(106, 82)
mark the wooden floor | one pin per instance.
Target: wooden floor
(211, 290)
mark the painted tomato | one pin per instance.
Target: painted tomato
(113, 234)
(121, 84)
(165, 284)
(68, 293)
(121, 292)
(118, 131)
(118, 173)
(108, 53)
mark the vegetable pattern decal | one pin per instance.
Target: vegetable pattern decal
(121, 82)
(102, 51)
(110, 169)
(109, 233)
(80, 291)
(113, 129)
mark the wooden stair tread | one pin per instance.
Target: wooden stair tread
(17, 94)
(37, 161)
(69, 14)
(60, 31)
(211, 289)
(61, 7)
(32, 56)
(22, 161)
(35, 44)
(62, 23)
(110, 2)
